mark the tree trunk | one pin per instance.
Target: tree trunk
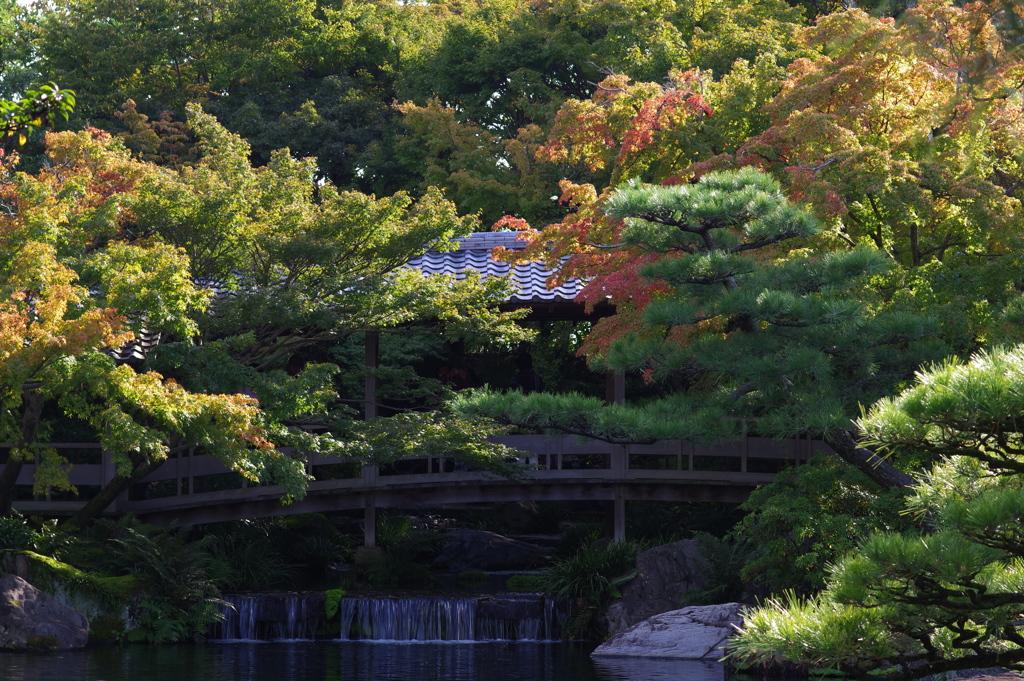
(874, 466)
(33, 410)
(109, 493)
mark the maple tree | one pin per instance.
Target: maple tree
(58, 331)
(145, 242)
(627, 130)
(906, 134)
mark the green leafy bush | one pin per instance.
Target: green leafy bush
(524, 583)
(472, 579)
(808, 518)
(173, 593)
(724, 560)
(589, 581)
(15, 533)
(332, 599)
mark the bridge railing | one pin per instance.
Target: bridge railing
(190, 473)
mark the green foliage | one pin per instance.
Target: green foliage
(472, 579)
(406, 550)
(577, 536)
(947, 597)
(419, 434)
(301, 265)
(594, 573)
(332, 599)
(33, 110)
(15, 533)
(524, 583)
(744, 321)
(275, 553)
(106, 629)
(252, 563)
(724, 561)
(808, 518)
(589, 580)
(111, 591)
(174, 594)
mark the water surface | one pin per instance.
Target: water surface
(348, 661)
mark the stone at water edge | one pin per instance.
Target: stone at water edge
(694, 633)
(27, 613)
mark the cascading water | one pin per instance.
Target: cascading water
(505, 616)
(509, 617)
(409, 619)
(271, 616)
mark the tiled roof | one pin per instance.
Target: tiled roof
(134, 353)
(474, 255)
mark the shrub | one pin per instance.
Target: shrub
(589, 581)
(524, 583)
(332, 599)
(15, 534)
(472, 579)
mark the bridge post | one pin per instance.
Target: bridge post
(615, 387)
(371, 357)
(619, 467)
(370, 522)
(619, 515)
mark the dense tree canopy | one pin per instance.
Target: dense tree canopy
(945, 598)
(793, 207)
(105, 247)
(746, 325)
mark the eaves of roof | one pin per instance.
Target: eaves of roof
(474, 255)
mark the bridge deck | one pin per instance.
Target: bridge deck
(192, 488)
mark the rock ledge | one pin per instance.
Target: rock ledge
(31, 618)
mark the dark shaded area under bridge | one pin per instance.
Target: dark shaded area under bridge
(193, 488)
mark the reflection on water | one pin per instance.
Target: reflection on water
(347, 661)
(639, 669)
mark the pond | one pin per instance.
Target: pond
(348, 661)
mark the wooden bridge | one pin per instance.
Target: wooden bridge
(193, 488)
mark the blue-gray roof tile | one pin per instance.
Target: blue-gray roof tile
(474, 255)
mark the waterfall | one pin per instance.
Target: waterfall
(499, 616)
(509, 617)
(409, 619)
(270, 616)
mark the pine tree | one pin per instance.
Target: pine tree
(950, 597)
(750, 325)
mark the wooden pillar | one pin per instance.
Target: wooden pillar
(615, 514)
(620, 461)
(615, 387)
(370, 523)
(372, 345)
(619, 515)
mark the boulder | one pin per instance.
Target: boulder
(30, 618)
(664, 574)
(695, 633)
(479, 550)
